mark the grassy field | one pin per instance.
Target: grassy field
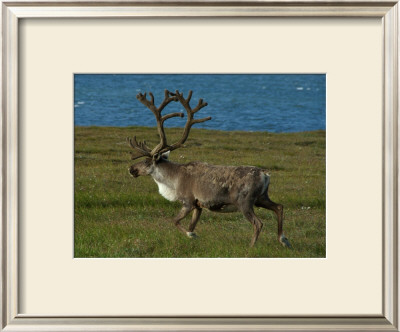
(119, 216)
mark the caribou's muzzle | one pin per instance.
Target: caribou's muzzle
(133, 171)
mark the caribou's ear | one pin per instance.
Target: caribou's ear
(165, 155)
(158, 157)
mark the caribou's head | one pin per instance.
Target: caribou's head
(144, 167)
(147, 166)
(161, 151)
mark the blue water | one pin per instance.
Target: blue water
(274, 103)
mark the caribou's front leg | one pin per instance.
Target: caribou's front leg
(195, 218)
(186, 209)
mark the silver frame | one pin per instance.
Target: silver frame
(14, 10)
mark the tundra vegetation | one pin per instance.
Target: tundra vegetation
(119, 216)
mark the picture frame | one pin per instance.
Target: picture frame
(14, 11)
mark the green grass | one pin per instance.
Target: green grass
(119, 216)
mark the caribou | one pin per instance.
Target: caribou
(198, 185)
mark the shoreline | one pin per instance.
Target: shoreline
(203, 129)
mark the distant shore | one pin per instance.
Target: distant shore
(206, 129)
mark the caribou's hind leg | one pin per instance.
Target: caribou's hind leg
(257, 224)
(265, 202)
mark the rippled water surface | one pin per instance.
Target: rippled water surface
(275, 103)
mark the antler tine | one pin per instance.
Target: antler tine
(189, 96)
(201, 120)
(199, 106)
(148, 103)
(171, 115)
(167, 100)
(141, 148)
(151, 98)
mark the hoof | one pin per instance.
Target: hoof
(191, 235)
(285, 242)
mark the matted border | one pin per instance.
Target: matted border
(12, 11)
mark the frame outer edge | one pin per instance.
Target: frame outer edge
(9, 271)
(204, 3)
(396, 137)
(86, 10)
(9, 182)
(390, 167)
(3, 255)
(4, 263)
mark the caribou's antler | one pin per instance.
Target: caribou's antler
(190, 118)
(160, 119)
(141, 149)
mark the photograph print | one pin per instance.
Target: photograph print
(200, 165)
